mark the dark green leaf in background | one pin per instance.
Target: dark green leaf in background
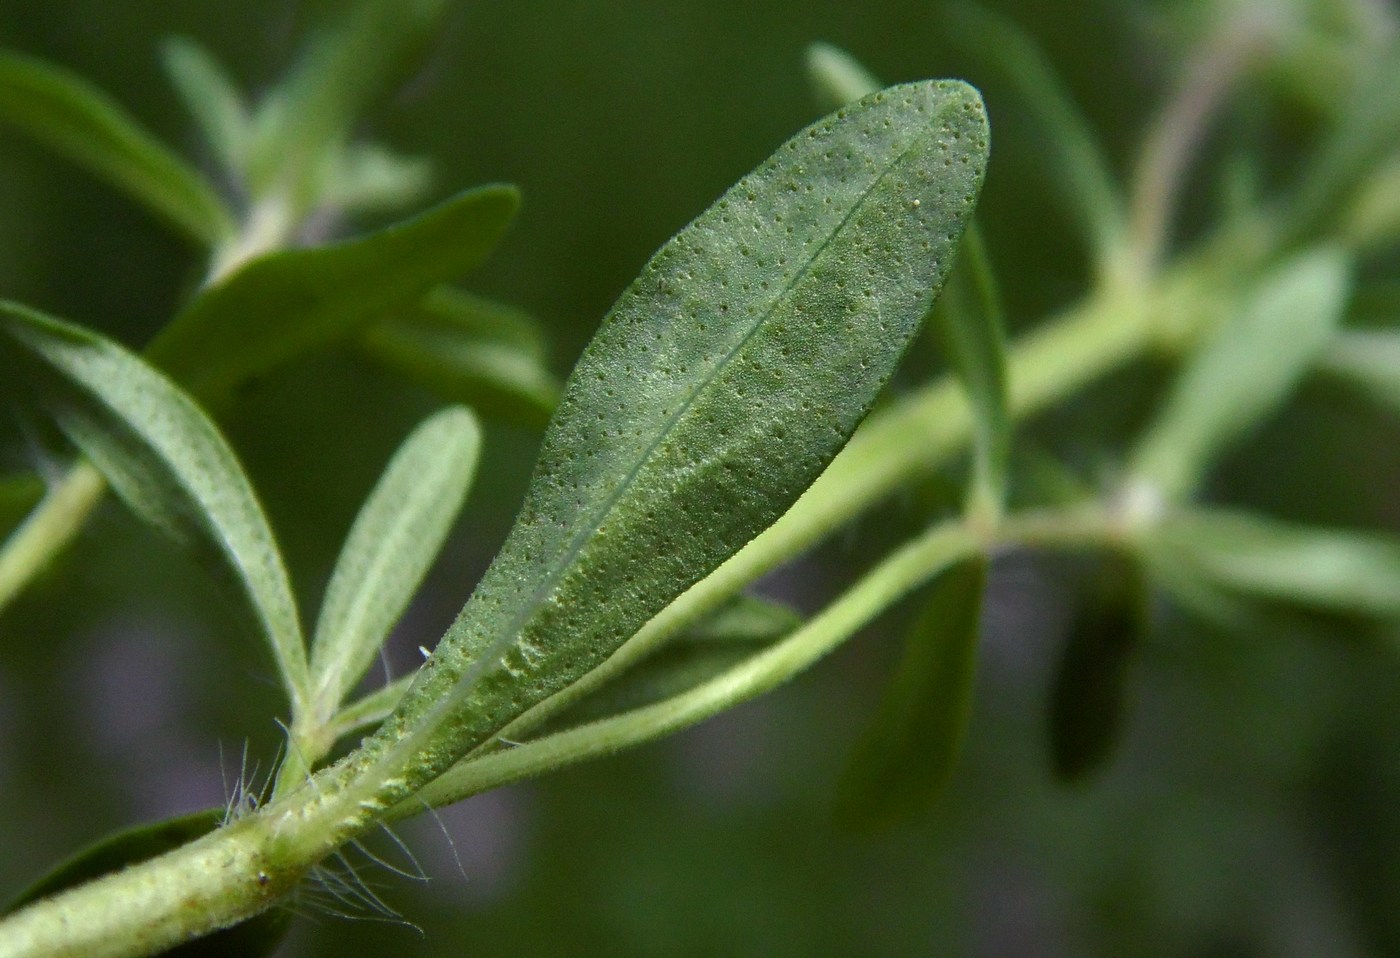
(906, 757)
(18, 494)
(1089, 698)
(471, 350)
(721, 384)
(284, 304)
(79, 121)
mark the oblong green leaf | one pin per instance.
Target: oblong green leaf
(471, 350)
(970, 319)
(211, 98)
(1076, 162)
(1368, 360)
(165, 458)
(254, 938)
(281, 305)
(77, 120)
(838, 77)
(905, 759)
(1330, 569)
(720, 385)
(391, 545)
(1089, 697)
(1246, 369)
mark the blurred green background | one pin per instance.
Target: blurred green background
(1253, 810)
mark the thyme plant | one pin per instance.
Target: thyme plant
(714, 429)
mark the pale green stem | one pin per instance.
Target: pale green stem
(53, 522)
(1175, 137)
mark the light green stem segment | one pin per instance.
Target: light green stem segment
(54, 522)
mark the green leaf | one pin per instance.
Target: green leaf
(1246, 370)
(77, 120)
(470, 350)
(211, 98)
(742, 628)
(906, 757)
(18, 495)
(837, 77)
(1074, 161)
(279, 306)
(1368, 129)
(720, 385)
(355, 58)
(970, 319)
(393, 542)
(1089, 697)
(369, 177)
(1370, 361)
(254, 938)
(1327, 569)
(165, 458)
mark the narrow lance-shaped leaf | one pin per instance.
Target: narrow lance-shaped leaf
(905, 759)
(284, 304)
(357, 55)
(1089, 697)
(392, 544)
(1080, 171)
(713, 646)
(969, 316)
(1246, 370)
(77, 120)
(164, 457)
(838, 77)
(471, 350)
(1332, 569)
(254, 938)
(1368, 360)
(720, 385)
(211, 99)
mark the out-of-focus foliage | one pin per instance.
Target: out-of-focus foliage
(1253, 803)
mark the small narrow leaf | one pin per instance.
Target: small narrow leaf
(371, 709)
(1328, 569)
(77, 120)
(1089, 697)
(905, 759)
(1246, 370)
(1074, 160)
(283, 304)
(164, 457)
(970, 319)
(720, 385)
(255, 938)
(357, 57)
(369, 177)
(1370, 361)
(392, 544)
(469, 350)
(838, 77)
(211, 98)
(712, 647)
(1367, 130)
